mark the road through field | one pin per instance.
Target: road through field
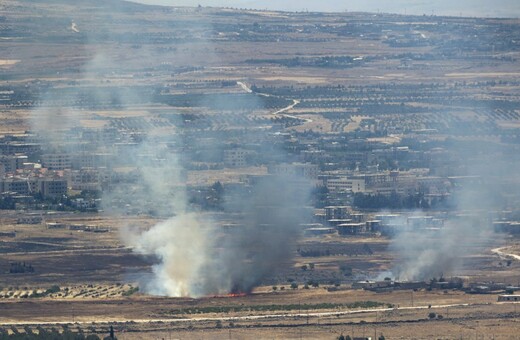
(235, 318)
(500, 252)
(281, 111)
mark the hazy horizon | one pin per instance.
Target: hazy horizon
(480, 8)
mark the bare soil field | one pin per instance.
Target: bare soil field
(300, 315)
(94, 271)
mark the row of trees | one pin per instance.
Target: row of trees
(393, 201)
(52, 334)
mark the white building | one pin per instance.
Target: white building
(344, 184)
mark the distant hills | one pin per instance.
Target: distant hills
(479, 8)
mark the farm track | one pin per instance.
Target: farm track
(244, 318)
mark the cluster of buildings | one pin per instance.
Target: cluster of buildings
(506, 293)
(31, 172)
(346, 221)
(351, 175)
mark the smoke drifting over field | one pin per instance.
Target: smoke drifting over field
(423, 255)
(195, 256)
(426, 253)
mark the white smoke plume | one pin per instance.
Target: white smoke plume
(426, 253)
(194, 256)
(180, 244)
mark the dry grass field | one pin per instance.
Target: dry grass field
(97, 283)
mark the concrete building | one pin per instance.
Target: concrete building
(344, 184)
(305, 170)
(373, 225)
(13, 148)
(20, 186)
(346, 229)
(509, 298)
(92, 160)
(236, 158)
(368, 285)
(48, 187)
(57, 161)
(89, 179)
(337, 212)
(52, 187)
(12, 163)
(85, 204)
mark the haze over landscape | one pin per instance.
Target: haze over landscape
(479, 8)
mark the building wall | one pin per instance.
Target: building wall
(236, 158)
(346, 185)
(51, 188)
(48, 187)
(305, 170)
(56, 161)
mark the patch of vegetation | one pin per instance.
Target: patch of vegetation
(276, 307)
(52, 290)
(131, 291)
(43, 333)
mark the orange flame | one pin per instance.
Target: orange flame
(230, 295)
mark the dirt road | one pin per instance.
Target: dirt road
(502, 253)
(281, 111)
(238, 318)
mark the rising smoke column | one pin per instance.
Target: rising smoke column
(194, 261)
(272, 211)
(426, 254)
(191, 260)
(423, 254)
(181, 246)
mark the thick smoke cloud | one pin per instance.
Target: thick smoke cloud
(427, 254)
(477, 193)
(194, 255)
(271, 213)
